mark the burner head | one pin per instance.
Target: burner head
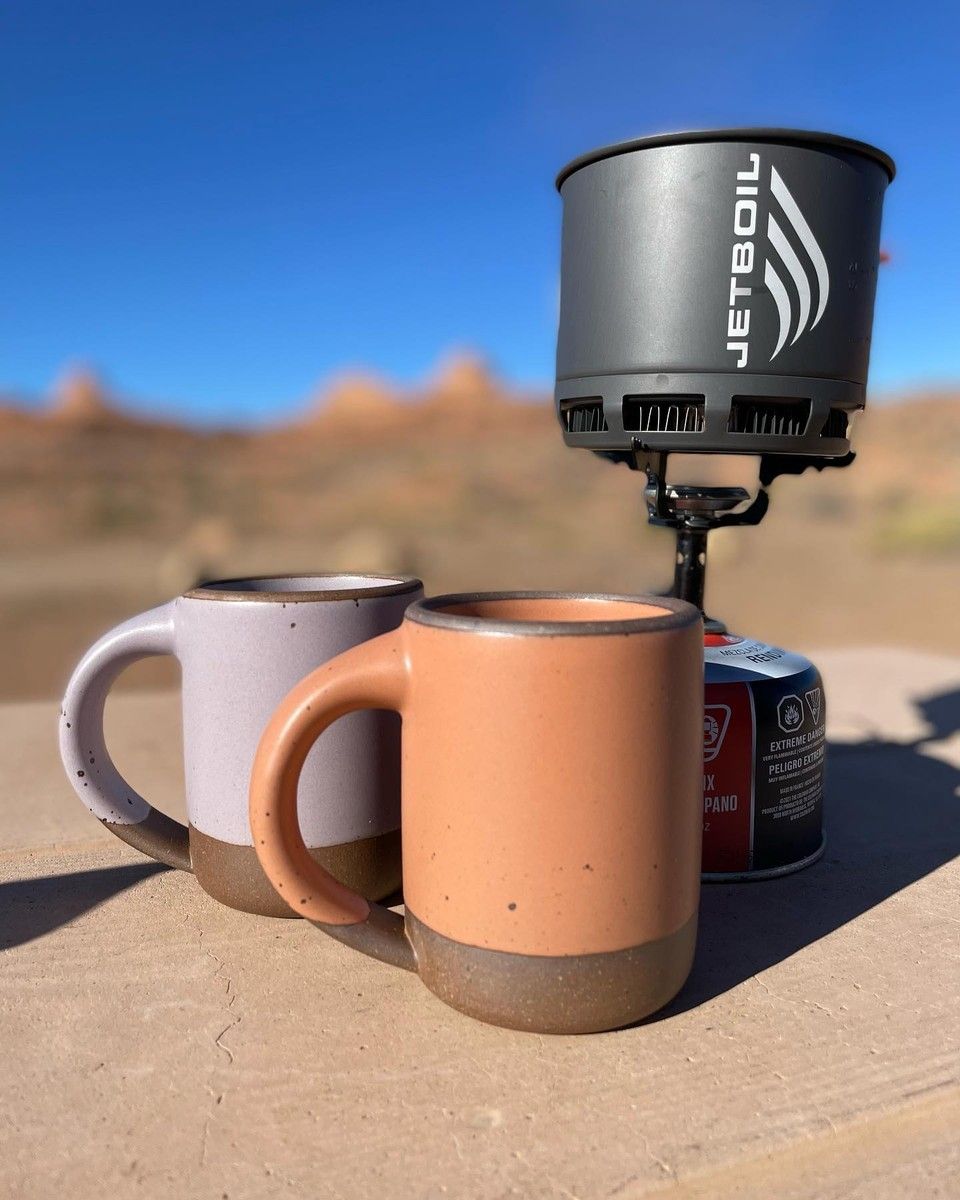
(717, 292)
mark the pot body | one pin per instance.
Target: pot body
(717, 292)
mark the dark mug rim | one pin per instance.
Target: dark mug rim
(374, 585)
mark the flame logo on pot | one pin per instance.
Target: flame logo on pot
(793, 267)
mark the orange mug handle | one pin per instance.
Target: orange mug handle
(371, 675)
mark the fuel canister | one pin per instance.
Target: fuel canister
(764, 749)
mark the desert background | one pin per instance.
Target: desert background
(463, 480)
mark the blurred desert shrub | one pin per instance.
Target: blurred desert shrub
(917, 527)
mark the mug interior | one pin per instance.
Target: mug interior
(555, 608)
(552, 613)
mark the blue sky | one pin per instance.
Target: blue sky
(221, 204)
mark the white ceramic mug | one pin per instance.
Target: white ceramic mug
(242, 645)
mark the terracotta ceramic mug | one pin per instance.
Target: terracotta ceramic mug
(552, 755)
(242, 644)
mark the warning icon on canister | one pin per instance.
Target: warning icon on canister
(790, 713)
(716, 718)
(813, 698)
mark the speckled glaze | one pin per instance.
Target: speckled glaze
(552, 784)
(242, 644)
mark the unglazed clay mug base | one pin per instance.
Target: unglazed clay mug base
(242, 644)
(552, 780)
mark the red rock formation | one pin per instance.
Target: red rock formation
(463, 379)
(358, 398)
(81, 398)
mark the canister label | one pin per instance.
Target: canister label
(764, 746)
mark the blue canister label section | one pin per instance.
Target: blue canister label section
(788, 770)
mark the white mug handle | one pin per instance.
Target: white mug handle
(83, 750)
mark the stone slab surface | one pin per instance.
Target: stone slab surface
(156, 1044)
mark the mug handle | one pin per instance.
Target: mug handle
(83, 750)
(373, 674)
